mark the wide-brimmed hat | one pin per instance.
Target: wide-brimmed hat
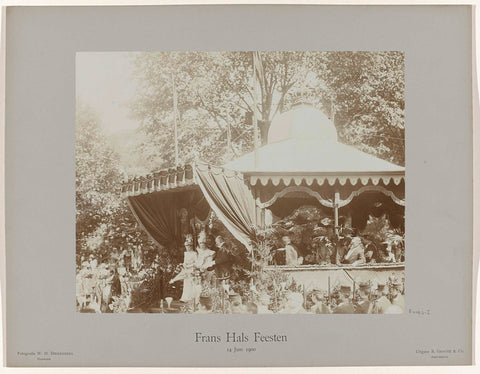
(396, 284)
(345, 289)
(235, 297)
(347, 231)
(235, 300)
(318, 294)
(364, 286)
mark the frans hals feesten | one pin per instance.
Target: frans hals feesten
(240, 337)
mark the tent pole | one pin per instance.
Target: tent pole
(223, 295)
(255, 209)
(175, 120)
(329, 288)
(336, 199)
(353, 294)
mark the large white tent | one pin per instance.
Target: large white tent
(301, 161)
(303, 144)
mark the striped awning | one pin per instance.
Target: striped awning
(183, 176)
(162, 180)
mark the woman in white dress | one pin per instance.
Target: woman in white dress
(187, 273)
(291, 255)
(205, 260)
(204, 255)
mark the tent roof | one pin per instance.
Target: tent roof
(304, 140)
(312, 156)
(302, 146)
(302, 122)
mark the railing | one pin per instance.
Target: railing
(376, 266)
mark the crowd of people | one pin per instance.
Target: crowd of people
(97, 284)
(209, 267)
(348, 248)
(205, 268)
(382, 299)
(101, 287)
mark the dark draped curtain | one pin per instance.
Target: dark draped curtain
(284, 207)
(376, 204)
(230, 199)
(158, 212)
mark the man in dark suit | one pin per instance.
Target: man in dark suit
(341, 249)
(223, 259)
(345, 306)
(364, 304)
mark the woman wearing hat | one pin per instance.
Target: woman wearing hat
(204, 261)
(356, 251)
(190, 287)
(397, 297)
(387, 255)
(205, 256)
(382, 303)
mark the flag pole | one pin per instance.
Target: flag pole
(255, 123)
(175, 119)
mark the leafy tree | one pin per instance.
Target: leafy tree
(361, 91)
(97, 174)
(105, 226)
(366, 94)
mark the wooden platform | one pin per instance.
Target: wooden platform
(318, 276)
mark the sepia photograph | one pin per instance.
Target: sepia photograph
(252, 182)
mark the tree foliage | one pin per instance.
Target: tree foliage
(105, 226)
(97, 174)
(362, 92)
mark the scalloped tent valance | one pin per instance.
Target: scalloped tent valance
(322, 179)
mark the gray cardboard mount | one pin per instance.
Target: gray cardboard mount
(40, 187)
